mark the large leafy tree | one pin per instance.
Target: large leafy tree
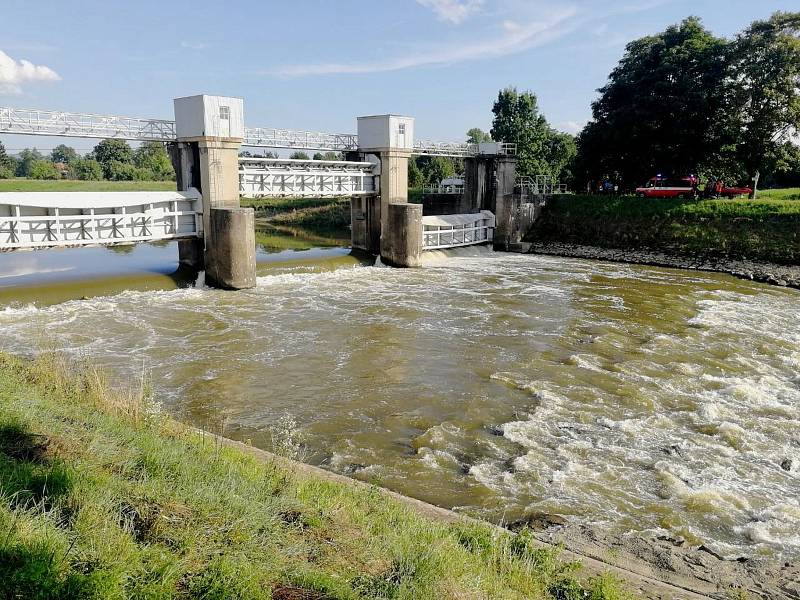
(653, 114)
(111, 151)
(6, 161)
(27, 158)
(477, 135)
(517, 120)
(153, 157)
(764, 70)
(63, 154)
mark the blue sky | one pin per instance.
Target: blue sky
(318, 65)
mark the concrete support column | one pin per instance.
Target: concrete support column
(206, 156)
(391, 139)
(231, 259)
(401, 243)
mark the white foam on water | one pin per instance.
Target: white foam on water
(622, 392)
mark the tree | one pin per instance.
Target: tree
(437, 168)
(328, 156)
(63, 154)
(415, 177)
(6, 161)
(121, 171)
(476, 136)
(85, 169)
(764, 68)
(43, 169)
(110, 151)
(517, 120)
(8, 165)
(299, 156)
(153, 157)
(269, 155)
(27, 158)
(655, 112)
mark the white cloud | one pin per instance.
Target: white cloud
(13, 74)
(573, 127)
(452, 11)
(193, 45)
(514, 38)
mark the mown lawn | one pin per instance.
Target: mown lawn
(69, 185)
(102, 496)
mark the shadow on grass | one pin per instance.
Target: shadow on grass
(31, 482)
(29, 477)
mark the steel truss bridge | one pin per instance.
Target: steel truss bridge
(85, 125)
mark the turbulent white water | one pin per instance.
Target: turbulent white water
(633, 397)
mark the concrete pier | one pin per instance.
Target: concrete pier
(210, 130)
(387, 140)
(401, 243)
(231, 259)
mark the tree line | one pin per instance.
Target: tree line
(111, 159)
(680, 102)
(687, 102)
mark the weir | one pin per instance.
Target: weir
(213, 231)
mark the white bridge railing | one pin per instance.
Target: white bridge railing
(53, 219)
(452, 231)
(274, 177)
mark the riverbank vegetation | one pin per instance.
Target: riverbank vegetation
(111, 160)
(102, 496)
(762, 230)
(318, 214)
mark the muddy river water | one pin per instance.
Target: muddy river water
(634, 398)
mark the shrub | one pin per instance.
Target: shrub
(119, 171)
(44, 169)
(86, 169)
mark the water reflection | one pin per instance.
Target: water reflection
(46, 277)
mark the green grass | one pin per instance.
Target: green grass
(69, 185)
(781, 194)
(101, 496)
(764, 229)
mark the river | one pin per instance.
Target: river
(633, 398)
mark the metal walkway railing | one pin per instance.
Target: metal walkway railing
(59, 219)
(452, 231)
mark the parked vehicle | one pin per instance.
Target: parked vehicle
(664, 187)
(734, 191)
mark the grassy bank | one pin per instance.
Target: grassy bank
(781, 194)
(765, 230)
(69, 185)
(320, 214)
(103, 497)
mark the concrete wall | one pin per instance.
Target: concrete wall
(444, 204)
(515, 216)
(401, 243)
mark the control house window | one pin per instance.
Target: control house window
(225, 112)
